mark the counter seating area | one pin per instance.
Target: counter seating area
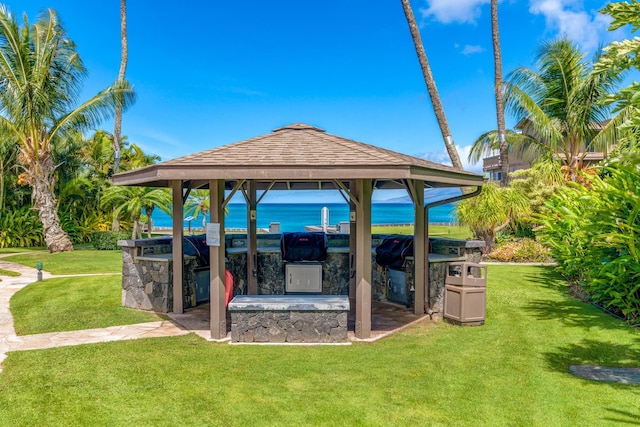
(148, 278)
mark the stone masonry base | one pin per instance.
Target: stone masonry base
(289, 326)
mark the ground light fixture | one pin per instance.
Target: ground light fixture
(39, 267)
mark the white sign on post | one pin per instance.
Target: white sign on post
(213, 234)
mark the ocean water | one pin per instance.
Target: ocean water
(294, 217)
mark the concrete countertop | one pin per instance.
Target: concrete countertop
(289, 303)
(160, 257)
(243, 249)
(432, 257)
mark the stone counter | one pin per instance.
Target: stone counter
(148, 281)
(147, 276)
(289, 318)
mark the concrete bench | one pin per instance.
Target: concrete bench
(289, 318)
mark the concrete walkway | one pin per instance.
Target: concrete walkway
(9, 341)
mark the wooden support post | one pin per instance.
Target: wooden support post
(363, 259)
(420, 248)
(217, 301)
(353, 232)
(178, 259)
(427, 292)
(252, 240)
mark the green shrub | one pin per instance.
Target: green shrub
(523, 230)
(20, 228)
(521, 250)
(108, 240)
(594, 235)
(73, 227)
(563, 231)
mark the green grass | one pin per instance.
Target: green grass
(9, 273)
(80, 261)
(511, 371)
(73, 303)
(18, 250)
(449, 231)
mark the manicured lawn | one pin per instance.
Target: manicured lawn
(73, 303)
(8, 273)
(79, 261)
(449, 231)
(512, 371)
(18, 250)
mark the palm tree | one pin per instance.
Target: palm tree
(492, 210)
(559, 108)
(117, 127)
(497, 60)
(197, 203)
(134, 157)
(431, 86)
(97, 154)
(488, 143)
(130, 201)
(40, 74)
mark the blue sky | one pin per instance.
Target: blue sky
(208, 73)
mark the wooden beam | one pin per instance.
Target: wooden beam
(233, 191)
(408, 185)
(344, 188)
(420, 247)
(252, 240)
(178, 263)
(266, 190)
(185, 195)
(363, 259)
(217, 305)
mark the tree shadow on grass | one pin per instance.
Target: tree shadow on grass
(623, 417)
(569, 309)
(594, 352)
(573, 313)
(548, 278)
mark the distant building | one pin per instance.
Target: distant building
(492, 166)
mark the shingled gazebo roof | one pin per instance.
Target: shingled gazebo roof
(297, 156)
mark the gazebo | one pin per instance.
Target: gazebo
(299, 157)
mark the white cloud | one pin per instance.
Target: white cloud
(447, 11)
(443, 158)
(568, 18)
(471, 49)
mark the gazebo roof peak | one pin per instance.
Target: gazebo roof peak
(299, 126)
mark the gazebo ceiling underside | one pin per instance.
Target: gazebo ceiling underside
(298, 157)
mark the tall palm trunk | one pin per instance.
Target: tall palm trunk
(431, 86)
(117, 127)
(497, 60)
(149, 211)
(40, 176)
(204, 211)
